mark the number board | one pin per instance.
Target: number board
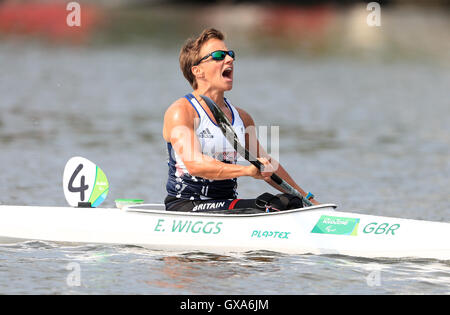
(84, 182)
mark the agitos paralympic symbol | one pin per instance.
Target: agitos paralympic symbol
(349, 226)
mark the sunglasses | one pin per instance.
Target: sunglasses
(218, 55)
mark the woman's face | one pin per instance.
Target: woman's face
(217, 73)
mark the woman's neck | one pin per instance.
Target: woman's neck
(215, 95)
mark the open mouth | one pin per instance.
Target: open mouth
(228, 73)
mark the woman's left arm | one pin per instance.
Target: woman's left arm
(254, 147)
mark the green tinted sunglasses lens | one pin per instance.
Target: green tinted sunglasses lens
(218, 55)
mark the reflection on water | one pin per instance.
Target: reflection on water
(182, 271)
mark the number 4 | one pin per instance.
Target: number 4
(82, 187)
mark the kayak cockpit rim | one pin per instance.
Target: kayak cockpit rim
(159, 209)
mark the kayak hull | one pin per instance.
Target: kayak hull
(314, 230)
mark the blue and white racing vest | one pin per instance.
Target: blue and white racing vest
(181, 184)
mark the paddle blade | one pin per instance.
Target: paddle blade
(84, 182)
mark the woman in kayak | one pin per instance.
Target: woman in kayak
(202, 164)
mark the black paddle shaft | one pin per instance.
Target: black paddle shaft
(227, 129)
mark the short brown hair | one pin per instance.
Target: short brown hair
(189, 53)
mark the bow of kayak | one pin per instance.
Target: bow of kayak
(313, 230)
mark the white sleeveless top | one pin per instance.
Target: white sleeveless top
(213, 143)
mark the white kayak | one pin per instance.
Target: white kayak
(314, 230)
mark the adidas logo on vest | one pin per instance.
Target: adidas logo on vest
(206, 134)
